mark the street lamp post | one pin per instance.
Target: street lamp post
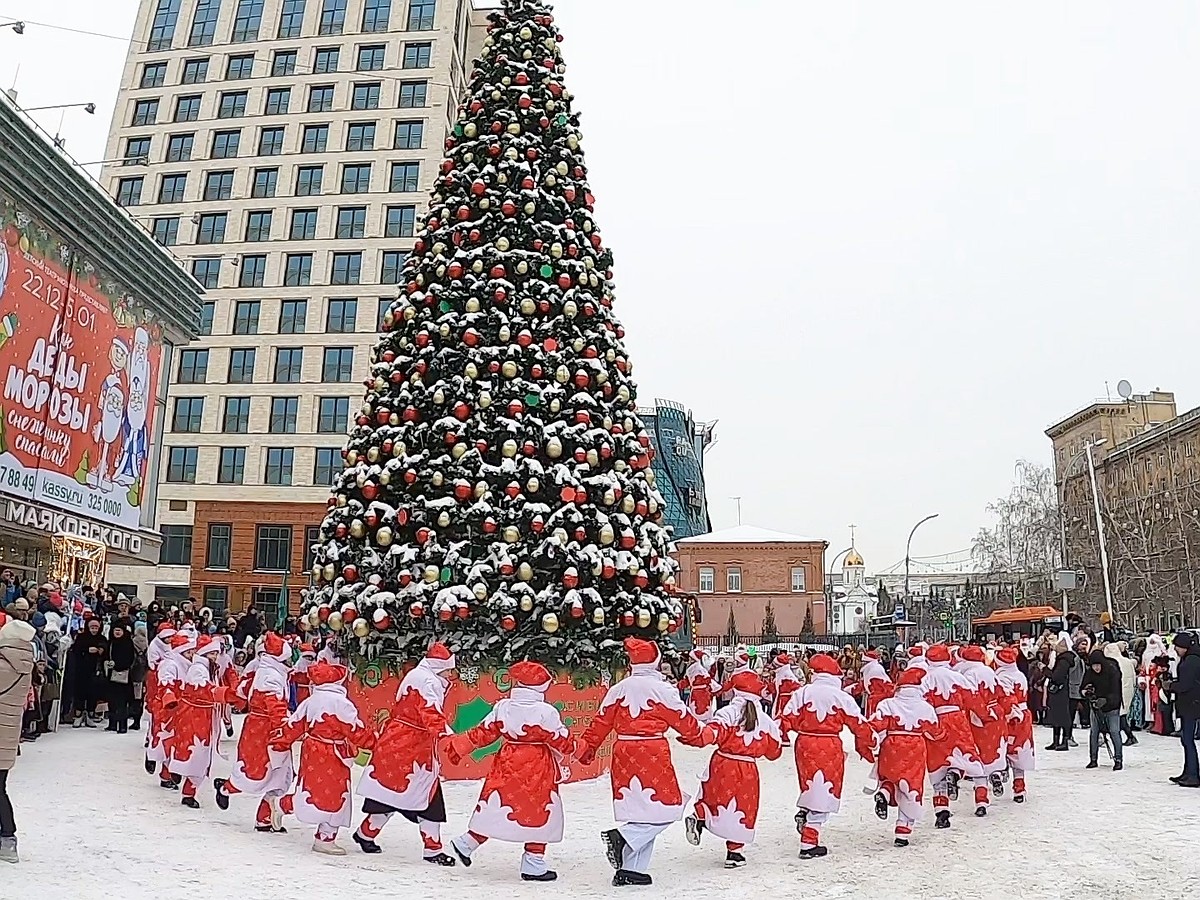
(1062, 519)
(89, 108)
(1100, 531)
(17, 26)
(908, 553)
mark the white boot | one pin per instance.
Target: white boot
(329, 848)
(8, 849)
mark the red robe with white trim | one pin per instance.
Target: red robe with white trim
(876, 684)
(702, 688)
(165, 669)
(818, 712)
(1014, 706)
(195, 724)
(951, 697)
(905, 726)
(988, 727)
(259, 769)
(641, 709)
(784, 684)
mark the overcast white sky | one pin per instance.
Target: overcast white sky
(885, 244)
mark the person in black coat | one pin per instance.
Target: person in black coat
(120, 680)
(1186, 691)
(83, 668)
(1101, 689)
(1059, 714)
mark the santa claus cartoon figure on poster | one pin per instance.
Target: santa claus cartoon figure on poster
(640, 710)
(729, 788)
(953, 756)
(1015, 709)
(519, 800)
(700, 686)
(817, 713)
(403, 775)
(110, 420)
(332, 736)
(988, 727)
(260, 770)
(195, 721)
(157, 652)
(877, 685)
(135, 438)
(904, 725)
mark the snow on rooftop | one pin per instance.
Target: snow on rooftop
(749, 534)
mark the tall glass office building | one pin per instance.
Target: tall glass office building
(680, 442)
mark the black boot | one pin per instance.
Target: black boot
(881, 804)
(222, 797)
(548, 875)
(814, 852)
(692, 829)
(942, 819)
(190, 802)
(980, 812)
(438, 859)
(952, 785)
(168, 784)
(997, 784)
(901, 842)
(365, 845)
(150, 766)
(734, 860)
(625, 878)
(614, 849)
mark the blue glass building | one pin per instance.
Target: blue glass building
(678, 465)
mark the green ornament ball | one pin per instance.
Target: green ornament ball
(546, 271)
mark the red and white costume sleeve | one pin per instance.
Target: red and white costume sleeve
(195, 721)
(987, 724)
(1019, 718)
(171, 671)
(260, 769)
(876, 683)
(157, 653)
(729, 787)
(951, 697)
(785, 683)
(905, 725)
(701, 686)
(741, 663)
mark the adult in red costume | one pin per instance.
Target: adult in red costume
(953, 756)
(988, 727)
(702, 688)
(1015, 709)
(195, 720)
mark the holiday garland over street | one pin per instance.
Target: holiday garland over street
(497, 491)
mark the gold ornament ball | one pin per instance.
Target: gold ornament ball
(593, 458)
(334, 621)
(550, 623)
(562, 374)
(443, 520)
(554, 448)
(373, 455)
(664, 622)
(509, 448)
(481, 489)
(384, 536)
(431, 574)
(472, 305)
(628, 505)
(555, 405)
(570, 309)
(556, 250)
(352, 456)
(533, 485)
(514, 128)
(459, 451)
(522, 267)
(385, 477)
(607, 535)
(438, 479)
(643, 618)
(598, 616)
(505, 333)
(471, 371)
(358, 528)
(526, 604)
(578, 344)
(314, 618)
(316, 571)
(328, 572)
(485, 399)
(480, 591)
(509, 369)
(530, 208)
(477, 266)
(528, 307)
(512, 534)
(503, 243)
(573, 141)
(526, 33)
(361, 628)
(560, 536)
(469, 130)
(525, 572)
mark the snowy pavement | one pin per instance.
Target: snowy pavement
(93, 824)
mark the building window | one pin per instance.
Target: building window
(370, 58)
(207, 271)
(218, 186)
(384, 307)
(326, 467)
(333, 17)
(129, 191)
(166, 231)
(320, 98)
(312, 537)
(356, 178)
(162, 26)
(179, 147)
(253, 271)
(278, 101)
(304, 225)
(365, 96)
(176, 546)
(798, 580)
(187, 109)
(333, 414)
(293, 315)
(225, 144)
(181, 465)
(240, 67)
(414, 94)
(258, 226)
(212, 228)
(706, 581)
(265, 183)
(220, 540)
(298, 270)
(392, 266)
(237, 415)
(284, 62)
(273, 548)
(406, 177)
(245, 316)
(207, 310)
(283, 415)
(154, 75)
(270, 142)
(145, 112)
(193, 366)
(342, 317)
(325, 60)
(189, 411)
(401, 221)
(291, 19)
(417, 56)
(288, 363)
(376, 15)
(195, 71)
(733, 580)
(279, 466)
(347, 268)
(232, 105)
(409, 136)
(204, 23)
(216, 598)
(316, 140)
(241, 366)
(231, 468)
(360, 136)
(421, 14)
(338, 364)
(171, 188)
(351, 222)
(246, 20)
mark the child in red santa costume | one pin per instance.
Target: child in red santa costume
(988, 727)
(157, 652)
(818, 712)
(877, 685)
(784, 683)
(953, 756)
(403, 774)
(195, 719)
(701, 686)
(332, 736)
(905, 724)
(300, 678)
(519, 800)
(227, 676)
(171, 672)
(729, 788)
(1015, 708)
(259, 770)
(640, 709)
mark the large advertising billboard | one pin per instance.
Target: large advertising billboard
(79, 364)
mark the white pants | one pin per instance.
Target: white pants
(639, 845)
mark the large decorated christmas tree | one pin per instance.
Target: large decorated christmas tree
(497, 492)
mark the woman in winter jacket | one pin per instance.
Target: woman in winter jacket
(1059, 711)
(16, 672)
(123, 655)
(83, 668)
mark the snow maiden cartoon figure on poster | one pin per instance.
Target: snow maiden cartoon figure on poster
(112, 415)
(134, 434)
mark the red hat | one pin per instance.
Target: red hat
(1007, 655)
(181, 641)
(783, 659)
(274, 646)
(972, 653)
(531, 675)
(207, 644)
(746, 683)
(307, 648)
(824, 664)
(873, 654)
(912, 676)
(641, 653)
(3, 618)
(914, 652)
(741, 657)
(438, 659)
(165, 629)
(326, 673)
(938, 653)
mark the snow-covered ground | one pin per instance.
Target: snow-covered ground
(93, 825)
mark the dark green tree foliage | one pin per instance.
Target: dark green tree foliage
(807, 629)
(497, 493)
(770, 631)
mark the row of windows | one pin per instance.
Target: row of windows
(733, 580)
(403, 178)
(337, 365)
(278, 468)
(333, 414)
(248, 20)
(277, 101)
(350, 223)
(272, 547)
(345, 269)
(341, 316)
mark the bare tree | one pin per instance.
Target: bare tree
(1022, 545)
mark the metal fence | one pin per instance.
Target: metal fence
(790, 641)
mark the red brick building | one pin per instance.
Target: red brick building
(745, 569)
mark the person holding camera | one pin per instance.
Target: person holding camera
(1186, 691)
(1101, 690)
